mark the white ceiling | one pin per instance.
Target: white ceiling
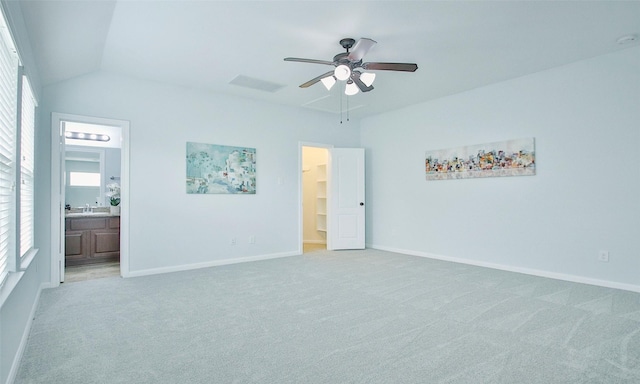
(458, 45)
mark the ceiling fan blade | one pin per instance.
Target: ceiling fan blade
(360, 49)
(312, 61)
(405, 67)
(316, 79)
(355, 76)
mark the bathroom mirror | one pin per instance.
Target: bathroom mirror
(92, 161)
(84, 181)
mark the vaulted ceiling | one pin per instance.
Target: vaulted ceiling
(458, 45)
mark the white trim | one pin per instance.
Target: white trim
(302, 144)
(57, 219)
(28, 257)
(215, 263)
(17, 358)
(508, 268)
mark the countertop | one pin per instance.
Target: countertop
(74, 215)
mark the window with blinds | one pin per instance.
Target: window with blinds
(17, 157)
(8, 120)
(27, 163)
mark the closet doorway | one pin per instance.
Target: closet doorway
(314, 197)
(332, 198)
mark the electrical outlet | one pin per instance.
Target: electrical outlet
(233, 241)
(603, 256)
(252, 239)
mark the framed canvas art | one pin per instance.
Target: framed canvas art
(505, 158)
(220, 169)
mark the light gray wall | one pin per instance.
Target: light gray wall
(169, 228)
(17, 308)
(584, 198)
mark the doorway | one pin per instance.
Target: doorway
(314, 197)
(332, 213)
(89, 168)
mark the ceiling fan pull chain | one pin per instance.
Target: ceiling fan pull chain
(347, 108)
(341, 106)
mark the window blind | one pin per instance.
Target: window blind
(8, 119)
(27, 162)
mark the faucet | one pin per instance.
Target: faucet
(87, 208)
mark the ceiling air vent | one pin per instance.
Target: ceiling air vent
(260, 85)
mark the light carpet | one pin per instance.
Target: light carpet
(334, 317)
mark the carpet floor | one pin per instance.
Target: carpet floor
(334, 317)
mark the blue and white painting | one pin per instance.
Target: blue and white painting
(220, 169)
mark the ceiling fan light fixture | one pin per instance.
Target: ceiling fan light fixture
(328, 82)
(351, 88)
(368, 78)
(342, 72)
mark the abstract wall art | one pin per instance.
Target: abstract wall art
(220, 169)
(505, 158)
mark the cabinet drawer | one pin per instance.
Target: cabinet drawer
(87, 223)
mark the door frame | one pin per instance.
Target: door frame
(57, 190)
(302, 144)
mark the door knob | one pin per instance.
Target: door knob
(361, 204)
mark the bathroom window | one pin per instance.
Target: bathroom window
(84, 179)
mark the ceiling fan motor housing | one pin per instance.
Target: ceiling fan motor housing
(341, 58)
(347, 43)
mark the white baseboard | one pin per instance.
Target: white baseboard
(526, 271)
(214, 263)
(25, 336)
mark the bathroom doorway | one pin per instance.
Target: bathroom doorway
(89, 198)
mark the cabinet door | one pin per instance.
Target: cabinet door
(105, 244)
(76, 247)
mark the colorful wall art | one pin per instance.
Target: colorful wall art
(506, 158)
(220, 169)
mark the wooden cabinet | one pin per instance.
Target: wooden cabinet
(90, 240)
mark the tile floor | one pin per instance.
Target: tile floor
(91, 271)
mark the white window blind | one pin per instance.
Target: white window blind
(27, 154)
(8, 119)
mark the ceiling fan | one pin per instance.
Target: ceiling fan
(348, 66)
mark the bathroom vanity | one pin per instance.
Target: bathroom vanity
(91, 238)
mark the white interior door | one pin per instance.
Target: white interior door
(345, 200)
(58, 198)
